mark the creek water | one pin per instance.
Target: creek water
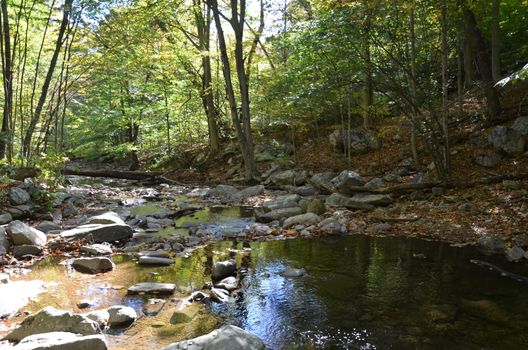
(359, 292)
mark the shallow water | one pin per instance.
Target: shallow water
(359, 293)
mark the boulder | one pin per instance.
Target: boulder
(346, 181)
(303, 219)
(222, 191)
(375, 183)
(107, 218)
(331, 226)
(47, 226)
(491, 243)
(515, 253)
(121, 316)
(20, 233)
(337, 200)
(152, 288)
(62, 341)
(360, 141)
(248, 192)
(152, 260)
(288, 201)
(323, 181)
(221, 295)
(93, 265)
(277, 214)
(18, 196)
(4, 242)
(315, 206)
(223, 269)
(225, 338)
(488, 160)
(96, 249)
(287, 177)
(521, 125)
(100, 233)
(20, 251)
(99, 316)
(228, 283)
(305, 191)
(507, 140)
(5, 218)
(50, 319)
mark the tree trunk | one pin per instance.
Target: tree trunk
(26, 145)
(412, 83)
(495, 40)
(241, 121)
(8, 83)
(479, 46)
(445, 82)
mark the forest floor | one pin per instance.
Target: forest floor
(456, 216)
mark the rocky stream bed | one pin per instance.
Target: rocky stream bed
(120, 265)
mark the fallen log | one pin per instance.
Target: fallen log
(114, 174)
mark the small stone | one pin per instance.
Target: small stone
(154, 261)
(381, 227)
(93, 265)
(438, 191)
(96, 249)
(47, 226)
(152, 288)
(228, 283)
(21, 251)
(303, 219)
(222, 269)
(83, 304)
(330, 226)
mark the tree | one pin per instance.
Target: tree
(240, 115)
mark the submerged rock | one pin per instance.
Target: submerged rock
(62, 341)
(50, 319)
(225, 338)
(152, 288)
(292, 272)
(20, 233)
(151, 260)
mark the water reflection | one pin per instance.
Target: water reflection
(359, 293)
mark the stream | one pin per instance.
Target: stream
(358, 292)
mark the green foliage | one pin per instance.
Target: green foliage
(50, 176)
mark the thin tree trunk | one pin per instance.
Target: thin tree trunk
(412, 39)
(445, 83)
(8, 82)
(368, 93)
(26, 146)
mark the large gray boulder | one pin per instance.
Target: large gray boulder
(507, 140)
(18, 196)
(223, 269)
(346, 181)
(62, 341)
(152, 288)
(20, 251)
(360, 141)
(93, 265)
(225, 338)
(20, 233)
(521, 125)
(50, 319)
(303, 219)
